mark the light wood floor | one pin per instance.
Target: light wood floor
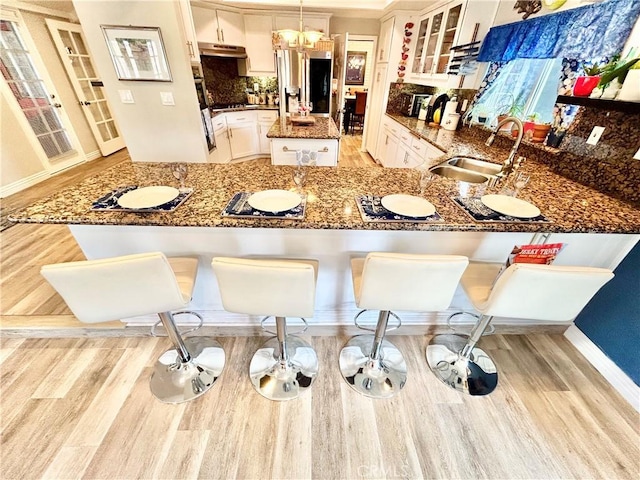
(81, 407)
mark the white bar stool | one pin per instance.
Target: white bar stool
(527, 291)
(127, 286)
(285, 366)
(370, 364)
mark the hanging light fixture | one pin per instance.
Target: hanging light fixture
(299, 39)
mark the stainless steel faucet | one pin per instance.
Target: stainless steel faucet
(507, 167)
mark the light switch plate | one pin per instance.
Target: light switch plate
(126, 96)
(637, 155)
(595, 135)
(167, 98)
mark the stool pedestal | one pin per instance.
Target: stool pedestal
(372, 365)
(460, 364)
(284, 367)
(189, 369)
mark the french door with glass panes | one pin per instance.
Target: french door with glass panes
(75, 57)
(26, 81)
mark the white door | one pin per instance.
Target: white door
(340, 54)
(28, 89)
(75, 57)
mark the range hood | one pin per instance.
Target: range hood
(220, 50)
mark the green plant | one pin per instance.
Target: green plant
(592, 70)
(618, 71)
(534, 117)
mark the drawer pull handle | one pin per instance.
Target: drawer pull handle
(417, 148)
(287, 149)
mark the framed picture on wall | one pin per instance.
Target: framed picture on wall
(137, 53)
(356, 62)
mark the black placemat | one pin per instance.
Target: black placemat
(109, 202)
(371, 210)
(479, 212)
(238, 207)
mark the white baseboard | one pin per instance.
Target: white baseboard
(23, 183)
(609, 370)
(92, 155)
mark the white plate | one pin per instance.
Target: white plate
(274, 200)
(511, 206)
(147, 197)
(408, 205)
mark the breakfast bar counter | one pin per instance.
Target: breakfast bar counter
(598, 230)
(569, 206)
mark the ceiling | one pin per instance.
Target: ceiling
(341, 8)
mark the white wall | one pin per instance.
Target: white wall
(359, 26)
(152, 132)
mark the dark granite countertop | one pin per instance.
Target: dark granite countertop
(570, 206)
(324, 128)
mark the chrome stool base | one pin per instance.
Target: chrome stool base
(287, 380)
(174, 381)
(380, 378)
(473, 375)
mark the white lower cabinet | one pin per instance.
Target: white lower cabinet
(399, 148)
(222, 152)
(283, 150)
(242, 137)
(265, 122)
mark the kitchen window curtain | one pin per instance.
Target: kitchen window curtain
(592, 31)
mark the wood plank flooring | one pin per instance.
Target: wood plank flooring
(82, 408)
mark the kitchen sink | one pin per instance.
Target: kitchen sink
(456, 173)
(468, 169)
(475, 165)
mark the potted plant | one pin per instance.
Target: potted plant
(611, 81)
(586, 83)
(512, 108)
(529, 124)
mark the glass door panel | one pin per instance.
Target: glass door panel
(87, 86)
(31, 93)
(432, 42)
(420, 43)
(453, 17)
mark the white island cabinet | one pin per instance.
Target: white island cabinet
(322, 137)
(283, 151)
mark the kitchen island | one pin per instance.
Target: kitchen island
(322, 137)
(598, 230)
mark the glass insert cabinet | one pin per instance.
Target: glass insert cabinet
(436, 36)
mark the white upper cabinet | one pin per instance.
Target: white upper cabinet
(384, 44)
(261, 57)
(191, 42)
(437, 32)
(218, 26)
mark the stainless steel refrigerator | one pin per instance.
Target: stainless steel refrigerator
(306, 77)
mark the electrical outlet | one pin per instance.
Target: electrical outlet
(126, 96)
(595, 135)
(637, 155)
(167, 98)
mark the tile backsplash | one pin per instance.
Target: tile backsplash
(226, 86)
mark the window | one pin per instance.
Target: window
(524, 87)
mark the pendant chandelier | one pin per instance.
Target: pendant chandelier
(299, 39)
